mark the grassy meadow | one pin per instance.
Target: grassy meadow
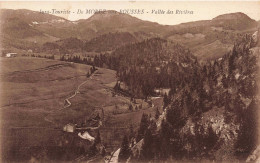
(32, 101)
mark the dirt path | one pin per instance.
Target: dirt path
(67, 99)
(76, 92)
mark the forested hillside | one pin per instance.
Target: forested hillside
(109, 42)
(153, 63)
(211, 116)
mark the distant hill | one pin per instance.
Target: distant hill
(112, 21)
(18, 28)
(105, 31)
(30, 17)
(110, 41)
(71, 43)
(211, 39)
(102, 43)
(234, 21)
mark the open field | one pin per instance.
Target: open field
(33, 113)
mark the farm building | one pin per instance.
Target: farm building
(162, 91)
(30, 51)
(86, 136)
(69, 127)
(9, 55)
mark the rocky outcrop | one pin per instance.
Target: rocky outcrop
(255, 156)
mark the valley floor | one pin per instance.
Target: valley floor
(34, 111)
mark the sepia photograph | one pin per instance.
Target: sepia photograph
(129, 81)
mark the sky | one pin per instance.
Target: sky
(202, 10)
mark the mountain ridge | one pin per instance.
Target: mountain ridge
(197, 36)
(233, 15)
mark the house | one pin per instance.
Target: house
(30, 51)
(86, 136)
(162, 91)
(69, 127)
(9, 55)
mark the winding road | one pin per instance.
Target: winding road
(67, 99)
(76, 92)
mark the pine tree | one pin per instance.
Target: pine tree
(140, 107)
(231, 64)
(93, 150)
(88, 75)
(157, 113)
(130, 107)
(62, 58)
(165, 101)
(147, 150)
(103, 151)
(143, 127)
(125, 151)
(117, 86)
(98, 138)
(131, 130)
(249, 132)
